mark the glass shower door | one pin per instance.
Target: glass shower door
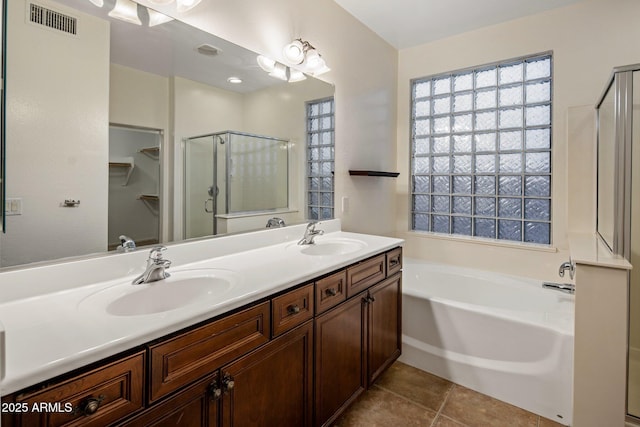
(633, 392)
(204, 184)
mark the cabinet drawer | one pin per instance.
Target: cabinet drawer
(331, 291)
(394, 261)
(365, 274)
(187, 357)
(97, 398)
(292, 309)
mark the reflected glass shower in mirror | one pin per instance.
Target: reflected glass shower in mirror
(173, 78)
(606, 167)
(230, 176)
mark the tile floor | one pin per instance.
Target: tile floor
(406, 396)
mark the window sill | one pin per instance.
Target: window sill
(484, 242)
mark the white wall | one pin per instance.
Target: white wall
(57, 117)
(587, 39)
(141, 99)
(363, 71)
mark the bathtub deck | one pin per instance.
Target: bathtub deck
(407, 396)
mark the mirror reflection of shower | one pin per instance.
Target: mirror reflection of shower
(231, 175)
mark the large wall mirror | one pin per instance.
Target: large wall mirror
(103, 114)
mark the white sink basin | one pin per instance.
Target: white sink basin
(182, 289)
(330, 247)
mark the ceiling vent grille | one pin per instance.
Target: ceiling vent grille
(52, 19)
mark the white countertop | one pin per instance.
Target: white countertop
(52, 333)
(588, 248)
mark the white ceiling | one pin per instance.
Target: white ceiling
(407, 23)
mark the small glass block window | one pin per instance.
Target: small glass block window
(481, 151)
(321, 155)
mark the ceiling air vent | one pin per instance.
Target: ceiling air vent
(208, 50)
(52, 19)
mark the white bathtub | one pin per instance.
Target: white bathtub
(503, 336)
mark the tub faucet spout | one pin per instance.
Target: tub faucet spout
(567, 265)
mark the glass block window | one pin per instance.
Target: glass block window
(320, 158)
(481, 151)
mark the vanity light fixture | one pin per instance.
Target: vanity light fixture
(157, 18)
(280, 71)
(181, 5)
(127, 11)
(301, 52)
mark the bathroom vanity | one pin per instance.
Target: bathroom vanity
(294, 353)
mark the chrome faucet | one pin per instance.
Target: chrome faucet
(275, 222)
(567, 265)
(126, 244)
(156, 266)
(310, 233)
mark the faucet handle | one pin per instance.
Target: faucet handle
(156, 253)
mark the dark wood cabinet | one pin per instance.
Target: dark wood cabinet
(194, 406)
(340, 363)
(183, 359)
(296, 358)
(384, 329)
(272, 386)
(96, 398)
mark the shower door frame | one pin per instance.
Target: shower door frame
(621, 82)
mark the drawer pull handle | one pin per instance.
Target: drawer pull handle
(331, 292)
(393, 262)
(228, 383)
(89, 406)
(293, 309)
(215, 390)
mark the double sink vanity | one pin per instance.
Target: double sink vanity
(253, 329)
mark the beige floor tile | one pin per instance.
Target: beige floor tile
(379, 408)
(416, 385)
(477, 410)
(544, 422)
(443, 421)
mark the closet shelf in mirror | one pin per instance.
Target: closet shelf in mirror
(124, 162)
(152, 152)
(151, 197)
(373, 173)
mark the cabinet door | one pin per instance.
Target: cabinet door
(384, 331)
(194, 406)
(96, 398)
(271, 386)
(340, 363)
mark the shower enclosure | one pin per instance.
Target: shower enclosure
(618, 218)
(229, 175)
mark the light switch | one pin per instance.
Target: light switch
(345, 204)
(13, 207)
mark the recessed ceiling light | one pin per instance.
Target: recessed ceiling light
(234, 80)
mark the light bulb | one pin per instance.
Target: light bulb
(127, 11)
(294, 52)
(267, 64)
(313, 60)
(160, 1)
(157, 18)
(279, 72)
(296, 76)
(186, 5)
(98, 3)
